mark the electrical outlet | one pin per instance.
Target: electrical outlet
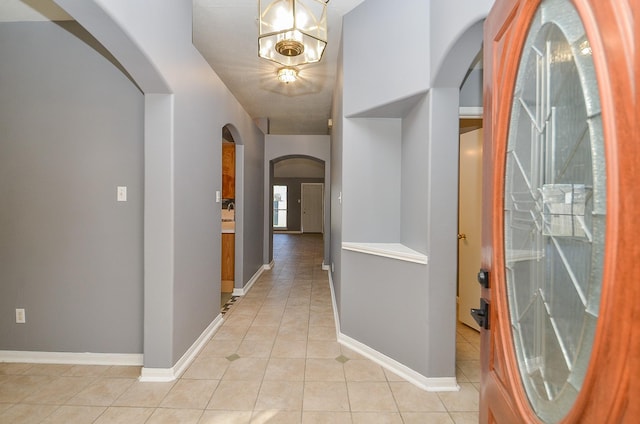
(20, 316)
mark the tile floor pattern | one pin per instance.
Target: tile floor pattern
(275, 359)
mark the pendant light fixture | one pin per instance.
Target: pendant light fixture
(292, 32)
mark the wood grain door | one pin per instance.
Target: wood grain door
(228, 170)
(561, 163)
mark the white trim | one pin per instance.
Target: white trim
(326, 267)
(244, 290)
(430, 384)
(388, 250)
(286, 232)
(157, 375)
(85, 358)
(336, 316)
(171, 374)
(433, 384)
(470, 112)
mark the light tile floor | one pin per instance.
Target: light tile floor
(274, 360)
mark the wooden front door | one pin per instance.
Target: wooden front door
(560, 213)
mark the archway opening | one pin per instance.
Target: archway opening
(297, 193)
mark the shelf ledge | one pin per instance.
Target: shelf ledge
(388, 250)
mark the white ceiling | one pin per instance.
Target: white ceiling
(226, 32)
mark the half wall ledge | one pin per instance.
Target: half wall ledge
(396, 251)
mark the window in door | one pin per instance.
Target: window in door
(555, 205)
(280, 206)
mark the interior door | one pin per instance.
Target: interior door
(312, 207)
(469, 224)
(559, 342)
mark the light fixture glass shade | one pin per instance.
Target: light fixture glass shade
(292, 32)
(287, 75)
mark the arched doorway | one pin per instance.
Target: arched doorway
(292, 179)
(228, 255)
(232, 205)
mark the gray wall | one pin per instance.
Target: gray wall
(391, 64)
(384, 308)
(253, 206)
(298, 168)
(335, 261)
(415, 177)
(371, 180)
(471, 90)
(71, 130)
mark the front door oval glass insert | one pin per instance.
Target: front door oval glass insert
(554, 209)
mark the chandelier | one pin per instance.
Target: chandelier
(292, 32)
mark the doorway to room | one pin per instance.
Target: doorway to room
(297, 193)
(469, 218)
(469, 189)
(295, 182)
(228, 215)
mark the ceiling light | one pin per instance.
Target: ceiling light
(292, 32)
(287, 75)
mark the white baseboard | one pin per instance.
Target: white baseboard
(326, 267)
(336, 316)
(431, 384)
(170, 374)
(252, 280)
(441, 384)
(71, 358)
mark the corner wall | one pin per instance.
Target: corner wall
(397, 148)
(185, 106)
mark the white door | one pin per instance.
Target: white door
(469, 225)
(312, 207)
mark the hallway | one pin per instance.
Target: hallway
(275, 359)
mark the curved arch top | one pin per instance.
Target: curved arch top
(287, 157)
(458, 58)
(235, 134)
(454, 46)
(104, 27)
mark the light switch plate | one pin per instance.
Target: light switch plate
(122, 194)
(20, 316)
